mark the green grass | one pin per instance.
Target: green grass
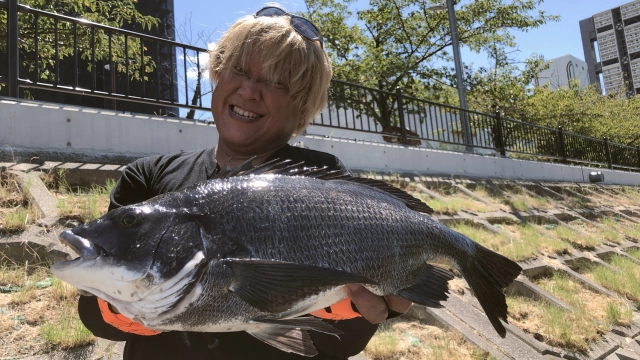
(67, 332)
(383, 346)
(545, 322)
(626, 282)
(536, 240)
(593, 314)
(632, 192)
(453, 203)
(524, 201)
(519, 204)
(590, 304)
(442, 207)
(577, 201)
(496, 242)
(614, 314)
(575, 238)
(455, 200)
(624, 227)
(540, 202)
(616, 231)
(16, 212)
(18, 219)
(483, 192)
(633, 231)
(602, 235)
(526, 241)
(634, 252)
(84, 205)
(412, 340)
(40, 314)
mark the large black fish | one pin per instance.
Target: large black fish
(255, 252)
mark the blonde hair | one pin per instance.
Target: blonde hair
(286, 56)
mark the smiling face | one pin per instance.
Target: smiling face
(253, 116)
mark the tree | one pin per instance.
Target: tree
(504, 88)
(586, 112)
(398, 43)
(106, 12)
(509, 89)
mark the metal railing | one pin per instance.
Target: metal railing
(52, 52)
(126, 67)
(415, 122)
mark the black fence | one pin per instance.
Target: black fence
(64, 55)
(415, 122)
(48, 54)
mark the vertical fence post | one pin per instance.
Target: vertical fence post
(501, 143)
(562, 150)
(607, 150)
(403, 129)
(13, 49)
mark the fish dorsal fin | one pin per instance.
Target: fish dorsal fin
(323, 173)
(290, 168)
(412, 202)
(276, 166)
(226, 172)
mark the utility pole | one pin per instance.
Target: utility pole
(462, 95)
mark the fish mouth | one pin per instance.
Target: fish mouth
(81, 246)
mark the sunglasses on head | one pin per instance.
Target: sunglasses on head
(301, 25)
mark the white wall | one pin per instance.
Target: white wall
(59, 131)
(45, 127)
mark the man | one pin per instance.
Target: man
(271, 76)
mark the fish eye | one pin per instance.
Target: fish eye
(130, 218)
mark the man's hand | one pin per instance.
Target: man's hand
(373, 307)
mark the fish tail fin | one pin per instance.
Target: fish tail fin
(488, 273)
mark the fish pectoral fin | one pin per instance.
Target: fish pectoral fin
(432, 287)
(304, 323)
(276, 286)
(286, 339)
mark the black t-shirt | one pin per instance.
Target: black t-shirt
(151, 176)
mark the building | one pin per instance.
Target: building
(611, 43)
(562, 70)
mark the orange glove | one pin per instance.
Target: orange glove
(122, 322)
(342, 310)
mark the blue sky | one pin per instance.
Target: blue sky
(551, 40)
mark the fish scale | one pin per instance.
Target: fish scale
(390, 222)
(277, 247)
